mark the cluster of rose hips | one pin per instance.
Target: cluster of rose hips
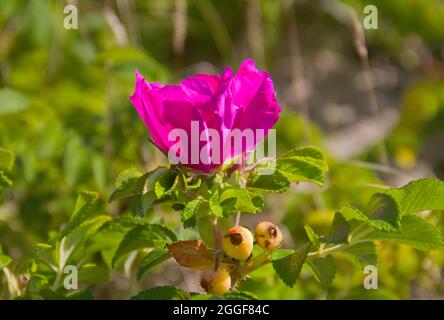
(238, 244)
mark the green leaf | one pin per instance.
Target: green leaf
(276, 182)
(288, 264)
(243, 200)
(109, 236)
(126, 175)
(142, 203)
(76, 161)
(383, 212)
(312, 236)
(165, 183)
(4, 261)
(75, 239)
(419, 195)
(162, 293)
(6, 160)
(361, 254)
(364, 294)
(350, 214)
(129, 183)
(12, 101)
(191, 209)
(203, 296)
(5, 182)
(384, 215)
(85, 294)
(324, 269)
(132, 183)
(205, 228)
(82, 211)
(191, 183)
(300, 170)
(93, 274)
(339, 230)
(215, 206)
(35, 283)
(150, 235)
(311, 154)
(239, 295)
(152, 259)
(415, 232)
(153, 176)
(100, 168)
(44, 252)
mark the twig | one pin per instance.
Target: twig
(179, 27)
(217, 28)
(237, 218)
(361, 50)
(254, 31)
(375, 185)
(377, 167)
(298, 82)
(13, 287)
(116, 26)
(217, 234)
(321, 252)
(192, 194)
(125, 8)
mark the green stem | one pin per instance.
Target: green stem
(192, 194)
(357, 230)
(322, 251)
(237, 218)
(56, 283)
(13, 286)
(257, 262)
(217, 235)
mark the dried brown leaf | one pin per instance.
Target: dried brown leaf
(192, 254)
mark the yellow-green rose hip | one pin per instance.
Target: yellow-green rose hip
(215, 282)
(238, 243)
(268, 235)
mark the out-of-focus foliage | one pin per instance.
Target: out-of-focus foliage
(66, 125)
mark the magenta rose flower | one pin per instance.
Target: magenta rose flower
(195, 119)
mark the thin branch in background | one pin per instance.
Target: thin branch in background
(255, 31)
(179, 27)
(361, 50)
(378, 186)
(298, 81)
(217, 28)
(299, 85)
(378, 167)
(13, 286)
(116, 26)
(125, 8)
(6, 44)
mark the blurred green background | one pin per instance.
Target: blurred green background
(65, 113)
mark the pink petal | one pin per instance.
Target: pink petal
(254, 93)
